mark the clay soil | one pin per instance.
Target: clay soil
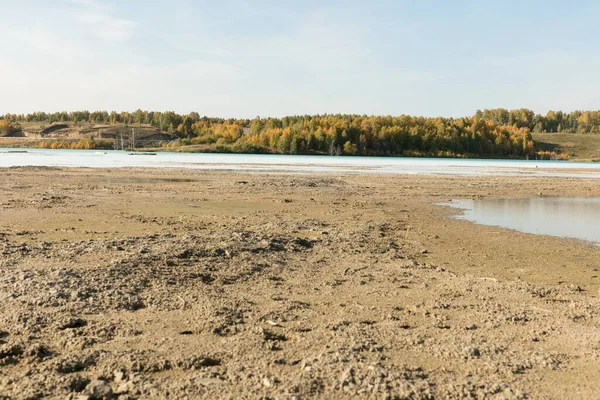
(153, 284)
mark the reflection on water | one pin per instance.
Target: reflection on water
(576, 217)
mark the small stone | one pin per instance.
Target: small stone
(575, 288)
(472, 352)
(210, 381)
(73, 323)
(347, 377)
(266, 382)
(123, 388)
(119, 376)
(98, 390)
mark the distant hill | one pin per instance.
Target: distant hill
(119, 135)
(572, 146)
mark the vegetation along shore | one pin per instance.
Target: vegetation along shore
(497, 133)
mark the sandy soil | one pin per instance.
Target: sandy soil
(152, 284)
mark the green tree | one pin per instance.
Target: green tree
(350, 148)
(256, 125)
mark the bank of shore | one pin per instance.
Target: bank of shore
(148, 283)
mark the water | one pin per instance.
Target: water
(289, 163)
(573, 217)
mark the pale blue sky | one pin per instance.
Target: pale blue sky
(235, 58)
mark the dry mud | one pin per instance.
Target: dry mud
(152, 284)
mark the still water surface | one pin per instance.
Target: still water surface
(574, 217)
(295, 163)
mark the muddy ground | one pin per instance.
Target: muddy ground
(152, 284)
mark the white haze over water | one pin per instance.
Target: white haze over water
(297, 163)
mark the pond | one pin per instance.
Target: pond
(573, 217)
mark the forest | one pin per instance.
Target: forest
(496, 133)
(553, 121)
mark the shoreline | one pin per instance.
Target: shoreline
(301, 164)
(219, 283)
(21, 143)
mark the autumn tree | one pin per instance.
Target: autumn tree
(350, 148)
(8, 127)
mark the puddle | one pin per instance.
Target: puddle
(573, 217)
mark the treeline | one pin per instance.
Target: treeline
(489, 133)
(367, 135)
(167, 121)
(324, 134)
(553, 121)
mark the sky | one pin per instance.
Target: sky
(247, 58)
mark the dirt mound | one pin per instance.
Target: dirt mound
(53, 128)
(15, 134)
